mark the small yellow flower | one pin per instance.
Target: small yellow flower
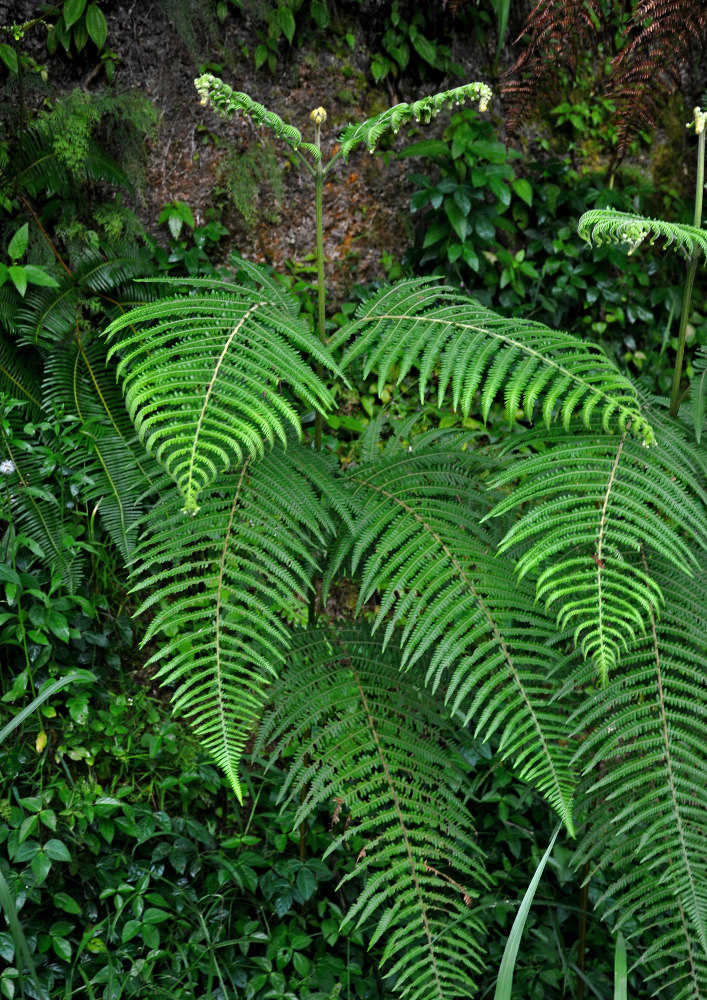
(318, 116)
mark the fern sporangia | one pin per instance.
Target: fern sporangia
(492, 583)
(361, 732)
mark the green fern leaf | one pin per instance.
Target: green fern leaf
(419, 324)
(222, 584)
(642, 751)
(591, 504)
(358, 733)
(609, 226)
(202, 382)
(461, 606)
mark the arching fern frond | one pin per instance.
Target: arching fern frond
(223, 583)
(642, 751)
(359, 734)
(460, 607)
(606, 225)
(203, 384)
(591, 503)
(418, 324)
(392, 119)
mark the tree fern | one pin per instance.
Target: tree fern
(599, 526)
(365, 737)
(591, 504)
(205, 390)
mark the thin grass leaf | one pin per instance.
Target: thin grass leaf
(620, 971)
(504, 984)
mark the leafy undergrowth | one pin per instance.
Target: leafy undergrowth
(134, 871)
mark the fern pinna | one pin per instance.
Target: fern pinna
(532, 594)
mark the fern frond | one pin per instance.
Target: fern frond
(96, 273)
(36, 511)
(227, 102)
(417, 323)
(222, 583)
(460, 606)
(47, 315)
(642, 751)
(361, 734)
(203, 383)
(558, 33)
(41, 170)
(606, 225)
(591, 504)
(18, 376)
(392, 119)
(663, 35)
(80, 381)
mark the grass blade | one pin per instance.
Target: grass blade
(76, 675)
(504, 983)
(620, 973)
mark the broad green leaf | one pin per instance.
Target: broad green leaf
(319, 13)
(457, 218)
(17, 276)
(9, 57)
(426, 147)
(73, 9)
(66, 903)
(38, 276)
(425, 49)
(18, 243)
(80, 36)
(286, 20)
(96, 25)
(523, 189)
(57, 850)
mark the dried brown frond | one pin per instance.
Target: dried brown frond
(560, 32)
(663, 36)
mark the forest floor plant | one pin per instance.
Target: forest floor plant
(545, 593)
